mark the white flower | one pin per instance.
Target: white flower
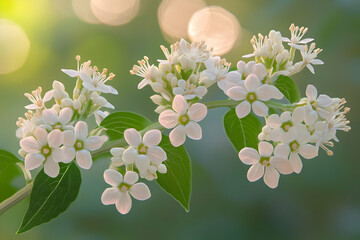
(83, 72)
(27, 126)
(117, 160)
(189, 90)
(172, 57)
(100, 101)
(315, 105)
(100, 116)
(263, 161)
(122, 188)
(309, 55)
(296, 36)
(253, 94)
(192, 53)
(96, 82)
(57, 120)
(285, 124)
(183, 118)
(296, 144)
(144, 152)
(266, 47)
(43, 147)
(216, 69)
(37, 101)
(150, 73)
(78, 145)
(58, 91)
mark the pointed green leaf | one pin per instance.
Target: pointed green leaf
(117, 123)
(242, 132)
(51, 196)
(8, 172)
(287, 86)
(177, 180)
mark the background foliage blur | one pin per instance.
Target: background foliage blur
(323, 202)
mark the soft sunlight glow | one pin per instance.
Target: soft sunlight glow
(215, 25)
(83, 11)
(115, 12)
(174, 16)
(14, 46)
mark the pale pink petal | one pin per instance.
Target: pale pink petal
(110, 195)
(168, 118)
(68, 154)
(285, 116)
(311, 92)
(249, 156)
(267, 92)
(41, 136)
(152, 138)
(142, 162)
(131, 177)
(178, 136)
(33, 160)
(81, 130)
(89, 86)
(30, 145)
(84, 159)
(271, 177)
(193, 130)
(93, 143)
(295, 162)
(282, 150)
(143, 83)
(123, 203)
(156, 154)
(51, 167)
(265, 149)
(112, 177)
(308, 151)
(130, 155)
(57, 154)
(180, 105)
(237, 93)
(48, 96)
(55, 138)
(282, 165)
(324, 100)
(50, 116)
(274, 121)
(310, 117)
(311, 68)
(65, 115)
(298, 115)
(132, 137)
(251, 83)
(69, 138)
(197, 112)
(140, 191)
(255, 172)
(243, 109)
(70, 72)
(260, 108)
(260, 70)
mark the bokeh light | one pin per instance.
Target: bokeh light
(174, 16)
(115, 12)
(215, 25)
(83, 11)
(14, 46)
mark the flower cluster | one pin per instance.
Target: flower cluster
(51, 134)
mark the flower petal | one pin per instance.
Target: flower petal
(251, 83)
(249, 156)
(193, 130)
(282, 150)
(140, 191)
(84, 159)
(295, 162)
(260, 108)
(131, 177)
(282, 165)
(110, 195)
(267, 92)
(65, 115)
(41, 136)
(50, 116)
(30, 145)
(156, 154)
(69, 154)
(178, 136)
(308, 151)
(70, 72)
(51, 167)
(324, 100)
(112, 177)
(243, 109)
(132, 137)
(93, 143)
(260, 70)
(255, 172)
(197, 112)
(123, 203)
(180, 105)
(169, 118)
(152, 138)
(69, 138)
(55, 138)
(274, 121)
(81, 130)
(237, 93)
(271, 177)
(265, 149)
(311, 92)
(33, 160)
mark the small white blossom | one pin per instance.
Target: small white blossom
(150, 73)
(309, 58)
(189, 90)
(58, 91)
(38, 102)
(183, 118)
(216, 71)
(117, 154)
(144, 152)
(100, 116)
(84, 71)
(253, 94)
(296, 40)
(191, 54)
(43, 148)
(57, 120)
(122, 188)
(96, 82)
(264, 161)
(77, 144)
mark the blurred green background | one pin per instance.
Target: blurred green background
(323, 202)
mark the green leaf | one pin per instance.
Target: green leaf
(288, 88)
(117, 123)
(8, 172)
(51, 196)
(177, 180)
(242, 132)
